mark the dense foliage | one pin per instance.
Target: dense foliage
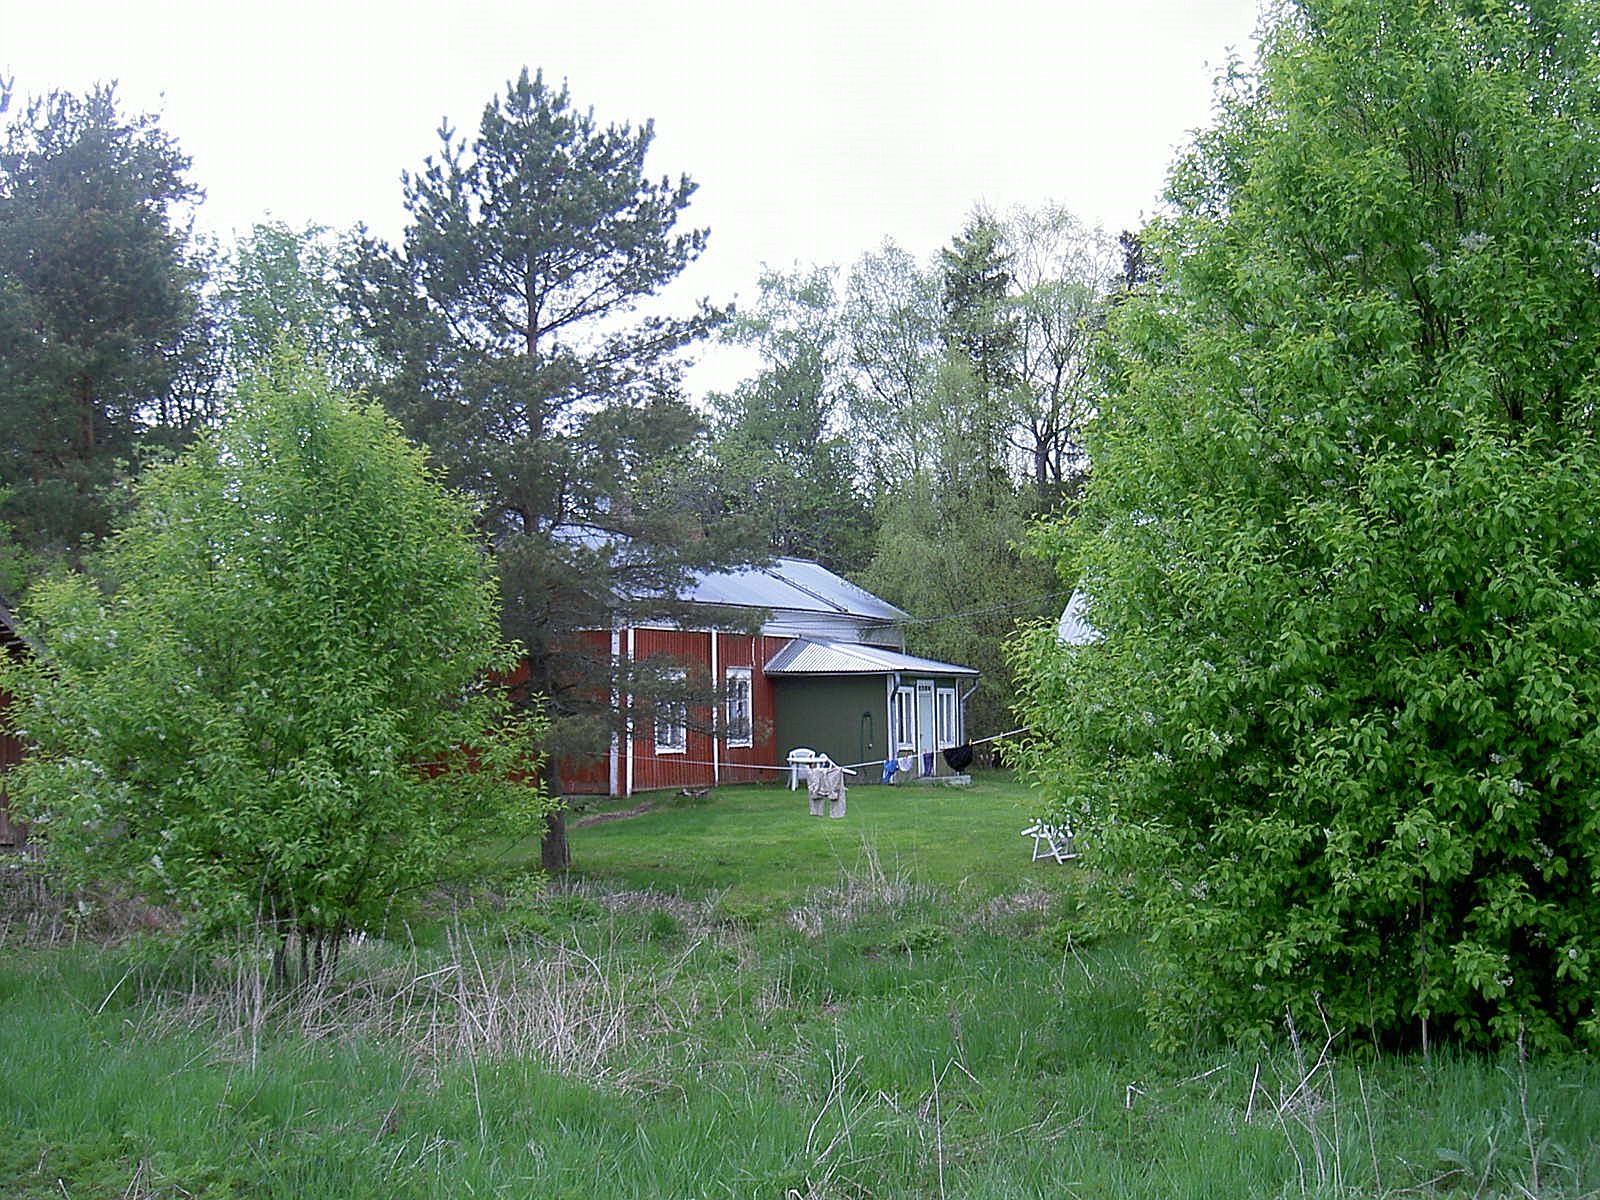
(779, 457)
(978, 434)
(280, 716)
(100, 359)
(281, 285)
(1338, 746)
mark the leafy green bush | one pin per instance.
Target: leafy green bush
(282, 713)
(1338, 745)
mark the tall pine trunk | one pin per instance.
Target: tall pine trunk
(554, 854)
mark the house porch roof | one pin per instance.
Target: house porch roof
(815, 656)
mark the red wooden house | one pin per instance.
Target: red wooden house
(825, 670)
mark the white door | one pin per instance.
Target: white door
(926, 741)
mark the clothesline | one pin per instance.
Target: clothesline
(871, 762)
(996, 737)
(739, 766)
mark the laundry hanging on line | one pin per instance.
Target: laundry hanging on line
(827, 783)
(959, 757)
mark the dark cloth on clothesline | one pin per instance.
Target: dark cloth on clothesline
(959, 757)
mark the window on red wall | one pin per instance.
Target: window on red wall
(736, 707)
(672, 724)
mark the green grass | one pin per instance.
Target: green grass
(762, 843)
(733, 999)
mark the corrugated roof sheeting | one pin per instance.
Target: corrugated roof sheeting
(794, 585)
(791, 583)
(1074, 628)
(815, 579)
(810, 656)
(748, 587)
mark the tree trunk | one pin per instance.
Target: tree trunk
(553, 852)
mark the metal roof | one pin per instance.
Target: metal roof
(1074, 628)
(813, 656)
(795, 584)
(786, 584)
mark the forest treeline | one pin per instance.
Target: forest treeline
(906, 420)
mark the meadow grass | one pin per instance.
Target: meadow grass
(898, 1004)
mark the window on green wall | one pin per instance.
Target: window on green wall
(904, 720)
(946, 725)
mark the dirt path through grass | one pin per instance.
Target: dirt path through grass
(597, 818)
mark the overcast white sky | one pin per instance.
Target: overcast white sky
(815, 128)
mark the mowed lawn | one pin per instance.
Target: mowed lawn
(760, 842)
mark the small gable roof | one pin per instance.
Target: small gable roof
(794, 585)
(816, 656)
(1074, 628)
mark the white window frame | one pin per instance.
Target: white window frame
(946, 718)
(738, 712)
(672, 723)
(904, 720)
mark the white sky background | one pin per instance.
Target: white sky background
(814, 128)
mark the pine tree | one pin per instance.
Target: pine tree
(510, 317)
(99, 354)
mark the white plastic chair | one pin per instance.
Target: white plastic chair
(801, 760)
(1051, 841)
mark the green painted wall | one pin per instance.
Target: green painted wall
(826, 715)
